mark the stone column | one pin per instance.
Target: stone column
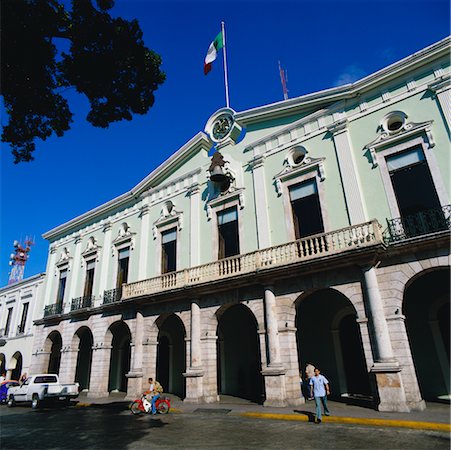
(106, 257)
(261, 203)
(210, 379)
(442, 92)
(144, 243)
(194, 374)
(135, 376)
(74, 277)
(349, 174)
(195, 201)
(68, 364)
(388, 383)
(48, 296)
(273, 373)
(100, 371)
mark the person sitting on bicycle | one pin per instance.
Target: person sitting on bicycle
(157, 390)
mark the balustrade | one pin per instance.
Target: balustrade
(81, 302)
(53, 310)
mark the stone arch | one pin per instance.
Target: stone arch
(119, 337)
(83, 340)
(329, 337)
(428, 330)
(238, 353)
(171, 353)
(15, 366)
(53, 345)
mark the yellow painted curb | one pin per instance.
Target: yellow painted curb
(373, 422)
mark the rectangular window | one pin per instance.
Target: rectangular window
(169, 251)
(415, 193)
(305, 204)
(61, 286)
(23, 320)
(229, 244)
(122, 268)
(8, 321)
(89, 281)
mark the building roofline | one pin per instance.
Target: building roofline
(22, 282)
(198, 141)
(332, 95)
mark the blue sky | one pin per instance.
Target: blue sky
(321, 44)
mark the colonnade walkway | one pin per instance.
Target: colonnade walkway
(435, 417)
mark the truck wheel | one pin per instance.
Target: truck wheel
(35, 402)
(11, 401)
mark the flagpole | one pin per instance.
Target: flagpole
(225, 65)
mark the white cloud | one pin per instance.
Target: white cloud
(349, 75)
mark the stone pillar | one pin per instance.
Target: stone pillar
(68, 365)
(106, 257)
(442, 92)
(261, 203)
(349, 174)
(39, 362)
(194, 374)
(135, 376)
(74, 277)
(100, 371)
(149, 362)
(210, 379)
(144, 243)
(48, 296)
(195, 202)
(390, 393)
(273, 373)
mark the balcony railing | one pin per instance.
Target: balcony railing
(325, 244)
(53, 310)
(112, 296)
(81, 302)
(423, 222)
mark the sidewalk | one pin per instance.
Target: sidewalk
(436, 416)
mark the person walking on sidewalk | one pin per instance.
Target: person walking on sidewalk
(319, 389)
(309, 374)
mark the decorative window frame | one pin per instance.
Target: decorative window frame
(124, 239)
(91, 252)
(167, 221)
(310, 168)
(221, 203)
(385, 146)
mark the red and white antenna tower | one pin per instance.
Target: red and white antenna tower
(18, 260)
(284, 81)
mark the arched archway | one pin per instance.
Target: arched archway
(171, 355)
(426, 306)
(16, 366)
(120, 357)
(84, 357)
(239, 362)
(56, 344)
(328, 336)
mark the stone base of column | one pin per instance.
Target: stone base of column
(94, 394)
(388, 387)
(134, 385)
(194, 386)
(275, 386)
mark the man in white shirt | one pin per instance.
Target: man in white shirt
(319, 389)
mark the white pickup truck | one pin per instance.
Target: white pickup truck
(41, 388)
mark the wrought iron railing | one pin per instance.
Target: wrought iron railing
(81, 302)
(421, 223)
(53, 310)
(112, 296)
(305, 249)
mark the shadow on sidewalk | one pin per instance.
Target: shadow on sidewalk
(310, 415)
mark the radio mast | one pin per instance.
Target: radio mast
(18, 260)
(284, 80)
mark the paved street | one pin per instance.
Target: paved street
(112, 426)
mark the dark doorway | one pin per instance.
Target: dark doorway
(239, 362)
(120, 357)
(17, 371)
(171, 360)
(334, 347)
(353, 358)
(2, 364)
(84, 358)
(426, 307)
(55, 352)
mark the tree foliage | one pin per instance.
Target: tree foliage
(106, 60)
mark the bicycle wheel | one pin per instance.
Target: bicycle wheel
(135, 409)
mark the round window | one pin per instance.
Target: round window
(296, 156)
(394, 122)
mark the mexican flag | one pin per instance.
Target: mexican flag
(212, 53)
